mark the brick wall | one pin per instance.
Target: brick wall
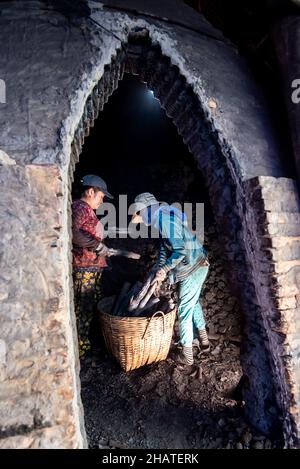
(275, 209)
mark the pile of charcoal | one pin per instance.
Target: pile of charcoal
(143, 299)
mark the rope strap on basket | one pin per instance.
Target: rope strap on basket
(153, 316)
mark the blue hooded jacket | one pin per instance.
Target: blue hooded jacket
(180, 249)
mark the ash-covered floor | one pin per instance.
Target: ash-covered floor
(166, 406)
(163, 405)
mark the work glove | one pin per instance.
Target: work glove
(113, 252)
(160, 275)
(101, 250)
(109, 252)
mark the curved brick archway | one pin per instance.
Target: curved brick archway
(238, 207)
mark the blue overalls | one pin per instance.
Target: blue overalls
(180, 252)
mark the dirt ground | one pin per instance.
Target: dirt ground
(166, 406)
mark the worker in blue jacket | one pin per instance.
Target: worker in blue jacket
(184, 261)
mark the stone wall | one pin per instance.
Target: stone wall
(52, 90)
(39, 399)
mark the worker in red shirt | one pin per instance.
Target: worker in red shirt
(89, 255)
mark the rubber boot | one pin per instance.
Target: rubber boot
(204, 342)
(185, 356)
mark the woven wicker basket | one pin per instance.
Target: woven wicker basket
(136, 341)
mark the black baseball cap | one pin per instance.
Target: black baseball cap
(96, 181)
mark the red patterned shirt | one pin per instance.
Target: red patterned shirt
(87, 234)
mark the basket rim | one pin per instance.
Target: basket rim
(141, 318)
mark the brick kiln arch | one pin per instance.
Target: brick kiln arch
(54, 92)
(248, 214)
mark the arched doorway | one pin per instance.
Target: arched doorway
(234, 211)
(135, 147)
